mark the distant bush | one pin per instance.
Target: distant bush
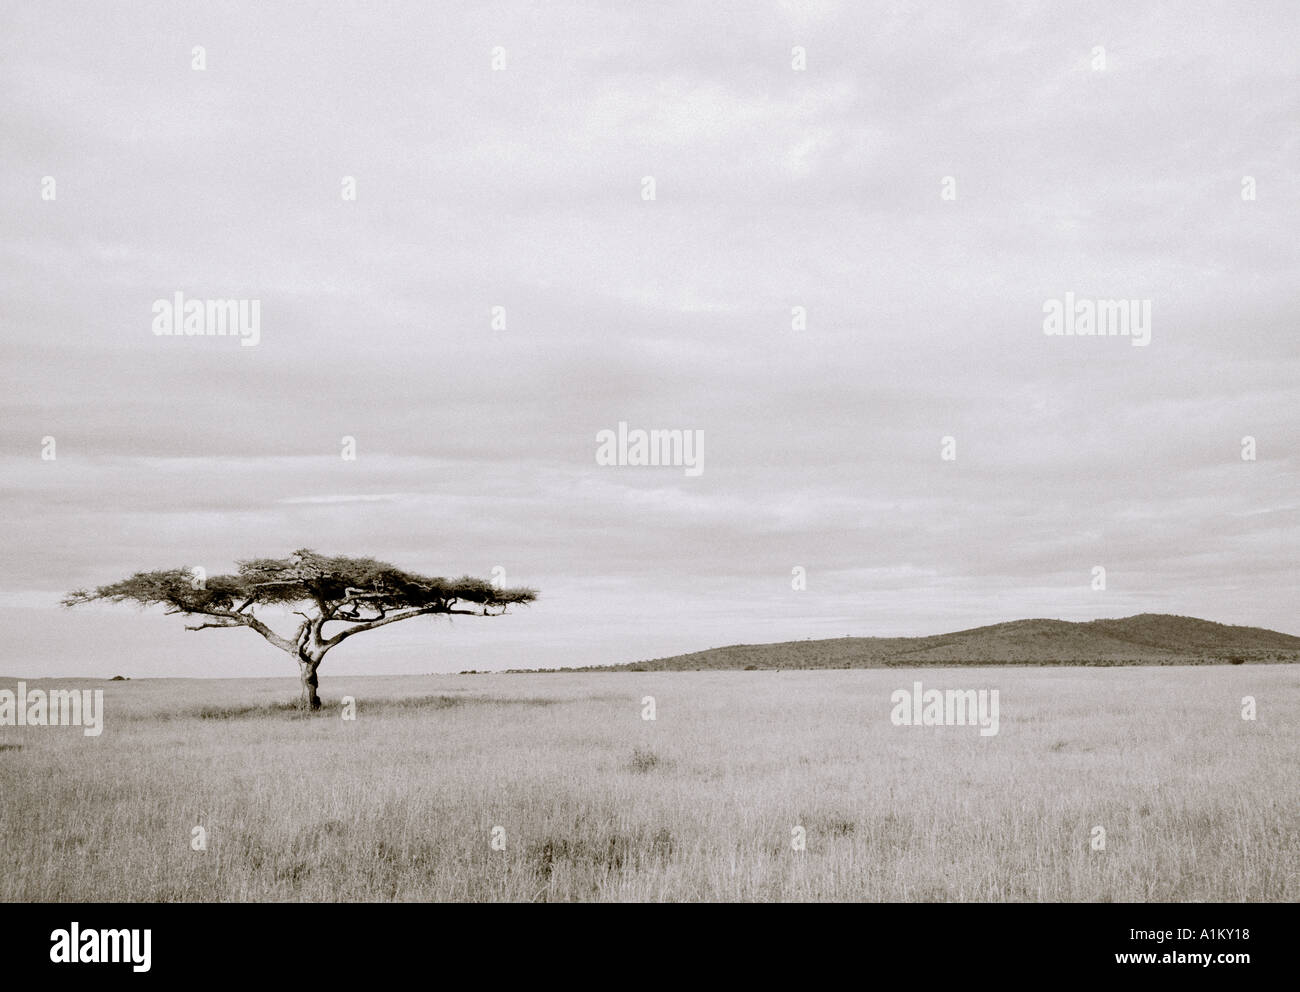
(643, 760)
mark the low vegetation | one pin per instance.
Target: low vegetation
(585, 800)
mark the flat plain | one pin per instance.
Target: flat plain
(587, 800)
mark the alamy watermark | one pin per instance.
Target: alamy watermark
(1098, 318)
(946, 708)
(77, 946)
(55, 708)
(653, 447)
(208, 318)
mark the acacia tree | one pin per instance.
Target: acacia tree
(357, 593)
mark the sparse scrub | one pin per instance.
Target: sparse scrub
(643, 760)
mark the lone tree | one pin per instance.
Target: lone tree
(360, 593)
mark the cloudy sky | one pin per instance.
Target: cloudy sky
(1112, 175)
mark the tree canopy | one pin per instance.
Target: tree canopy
(359, 593)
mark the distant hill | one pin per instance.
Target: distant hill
(1145, 639)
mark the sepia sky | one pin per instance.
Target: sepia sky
(774, 189)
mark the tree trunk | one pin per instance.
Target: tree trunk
(307, 671)
(311, 649)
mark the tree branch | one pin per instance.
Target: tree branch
(343, 635)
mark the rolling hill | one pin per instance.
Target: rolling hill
(1145, 639)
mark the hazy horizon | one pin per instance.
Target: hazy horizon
(262, 662)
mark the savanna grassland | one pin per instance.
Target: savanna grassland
(597, 803)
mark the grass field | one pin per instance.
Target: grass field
(597, 803)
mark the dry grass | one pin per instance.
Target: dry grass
(698, 805)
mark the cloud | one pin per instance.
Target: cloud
(775, 189)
